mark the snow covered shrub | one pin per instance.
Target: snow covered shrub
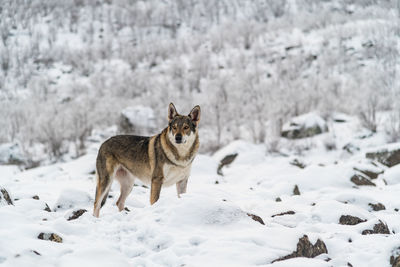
(393, 126)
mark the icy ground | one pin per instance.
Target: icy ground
(209, 225)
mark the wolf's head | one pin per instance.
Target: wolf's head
(182, 129)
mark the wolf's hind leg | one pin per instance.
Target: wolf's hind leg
(126, 181)
(181, 186)
(104, 181)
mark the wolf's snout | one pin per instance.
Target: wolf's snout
(178, 138)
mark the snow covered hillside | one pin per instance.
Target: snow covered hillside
(256, 213)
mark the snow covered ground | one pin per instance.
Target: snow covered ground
(209, 225)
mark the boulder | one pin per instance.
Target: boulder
(76, 214)
(227, 160)
(5, 198)
(290, 212)
(296, 190)
(306, 249)
(350, 220)
(377, 206)
(50, 237)
(256, 218)
(359, 179)
(395, 258)
(306, 125)
(388, 155)
(379, 228)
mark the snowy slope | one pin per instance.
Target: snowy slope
(209, 225)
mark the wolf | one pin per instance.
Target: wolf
(160, 160)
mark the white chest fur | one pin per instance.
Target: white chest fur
(174, 174)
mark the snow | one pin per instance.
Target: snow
(307, 120)
(209, 225)
(140, 116)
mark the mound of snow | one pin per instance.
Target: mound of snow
(138, 120)
(305, 125)
(71, 198)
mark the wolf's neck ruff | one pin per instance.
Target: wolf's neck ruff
(181, 156)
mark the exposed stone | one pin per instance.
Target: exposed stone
(379, 228)
(298, 163)
(290, 212)
(278, 199)
(227, 160)
(351, 148)
(359, 179)
(395, 258)
(36, 197)
(76, 214)
(388, 157)
(377, 206)
(5, 198)
(296, 190)
(305, 125)
(256, 218)
(47, 208)
(306, 249)
(50, 237)
(350, 220)
(371, 174)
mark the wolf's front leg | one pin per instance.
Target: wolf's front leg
(181, 186)
(156, 183)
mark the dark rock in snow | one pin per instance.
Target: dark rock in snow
(256, 218)
(278, 199)
(306, 249)
(5, 198)
(36, 197)
(296, 190)
(350, 220)
(47, 208)
(50, 237)
(306, 125)
(386, 156)
(351, 148)
(290, 212)
(379, 228)
(227, 160)
(377, 206)
(395, 258)
(359, 179)
(76, 214)
(298, 163)
(371, 174)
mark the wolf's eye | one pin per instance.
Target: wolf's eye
(186, 127)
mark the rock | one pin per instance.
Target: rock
(379, 228)
(350, 220)
(5, 198)
(50, 237)
(256, 218)
(395, 258)
(36, 197)
(296, 190)
(298, 163)
(377, 206)
(306, 125)
(306, 249)
(278, 199)
(359, 179)
(290, 212)
(227, 160)
(137, 120)
(351, 148)
(389, 155)
(76, 214)
(47, 208)
(371, 174)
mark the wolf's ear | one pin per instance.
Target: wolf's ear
(171, 112)
(195, 114)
